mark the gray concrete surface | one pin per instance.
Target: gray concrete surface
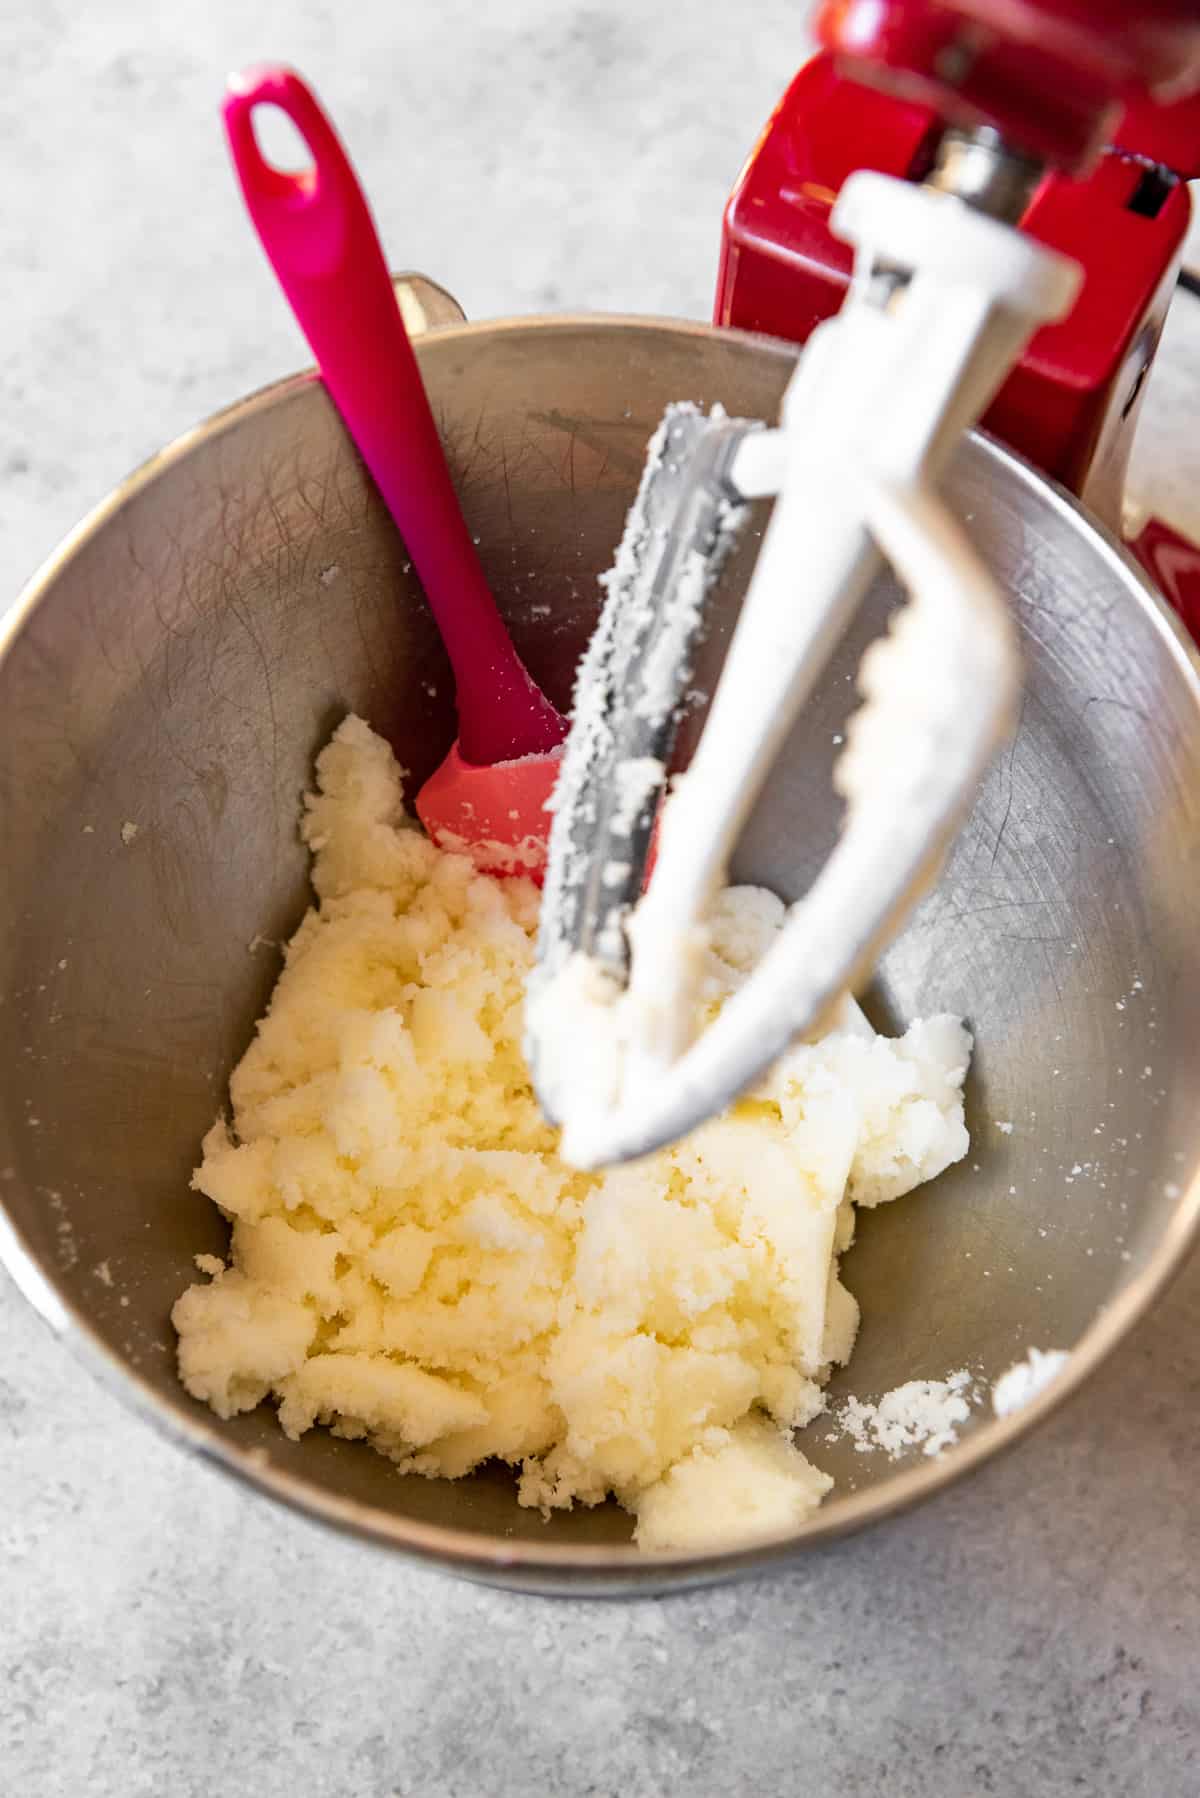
(1035, 1632)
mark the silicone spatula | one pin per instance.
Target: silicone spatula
(488, 798)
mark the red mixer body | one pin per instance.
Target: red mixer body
(1071, 403)
(1073, 397)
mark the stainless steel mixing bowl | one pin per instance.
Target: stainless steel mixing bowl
(165, 686)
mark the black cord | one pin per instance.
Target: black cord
(1189, 280)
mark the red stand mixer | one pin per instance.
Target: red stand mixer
(967, 211)
(1067, 108)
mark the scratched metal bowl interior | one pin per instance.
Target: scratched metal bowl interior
(182, 660)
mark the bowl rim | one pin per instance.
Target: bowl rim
(526, 1564)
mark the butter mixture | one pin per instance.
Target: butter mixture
(412, 1263)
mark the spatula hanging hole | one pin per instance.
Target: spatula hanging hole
(281, 144)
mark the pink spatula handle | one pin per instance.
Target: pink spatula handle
(320, 239)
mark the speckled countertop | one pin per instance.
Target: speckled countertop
(1035, 1631)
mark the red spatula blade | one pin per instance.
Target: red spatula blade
(496, 815)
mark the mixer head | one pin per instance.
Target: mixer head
(1046, 77)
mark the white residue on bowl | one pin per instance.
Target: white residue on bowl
(1025, 1379)
(921, 1414)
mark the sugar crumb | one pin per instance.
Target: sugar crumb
(921, 1414)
